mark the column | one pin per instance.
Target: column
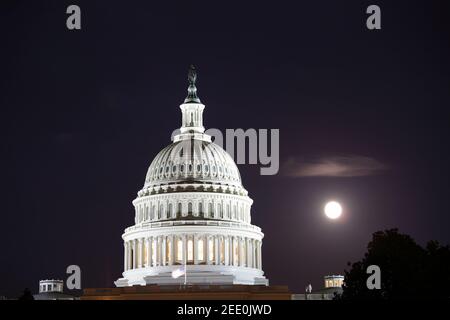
(129, 256)
(207, 249)
(143, 262)
(155, 239)
(158, 250)
(184, 250)
(152, 262)
(232, 250)
(241, 252)
(149, 251)
(232, 262)
(216, 250)
(125, 256)
(195, 241)
(239, 255)
(227, 250)
(164, 246)
(255, 251)
(252, 254)
(248, 259)
(134, 253)
(259, 255)
(172, 250)
(242, 246)
(247, 252)
(139, 263)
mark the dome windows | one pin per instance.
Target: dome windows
(179, 161)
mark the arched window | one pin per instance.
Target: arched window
(170, 210)
(200, 208)
(179, 209)
(190, 208)
(161, 211)
(210, 209)
(219, 210)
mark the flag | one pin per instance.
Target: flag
(178, 272)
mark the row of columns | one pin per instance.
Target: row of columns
(192, 249)
(207, 209)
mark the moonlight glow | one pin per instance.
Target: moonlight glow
(333, 210)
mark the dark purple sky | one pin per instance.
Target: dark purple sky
(83, 114)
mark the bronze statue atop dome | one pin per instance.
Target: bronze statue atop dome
(192, 75)
(192, 90)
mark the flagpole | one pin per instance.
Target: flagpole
(185, 272)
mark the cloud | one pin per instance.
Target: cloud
(337, 166)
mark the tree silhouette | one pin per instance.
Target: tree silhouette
(26, 295)
(407, 270)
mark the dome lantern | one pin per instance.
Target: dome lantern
(192, 108)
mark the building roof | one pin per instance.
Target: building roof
(53, 296)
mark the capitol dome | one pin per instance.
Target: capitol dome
(186, 161)
(192, 216)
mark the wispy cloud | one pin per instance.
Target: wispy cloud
(337, 166)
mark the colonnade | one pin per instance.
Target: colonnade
(196, 249)
(162, 208)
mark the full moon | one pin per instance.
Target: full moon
(333, 210)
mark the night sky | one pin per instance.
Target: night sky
(83, 113)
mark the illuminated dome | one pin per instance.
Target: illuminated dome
(187, 161)
(192, 213)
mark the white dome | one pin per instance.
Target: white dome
(189, 161)
(192, 211)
